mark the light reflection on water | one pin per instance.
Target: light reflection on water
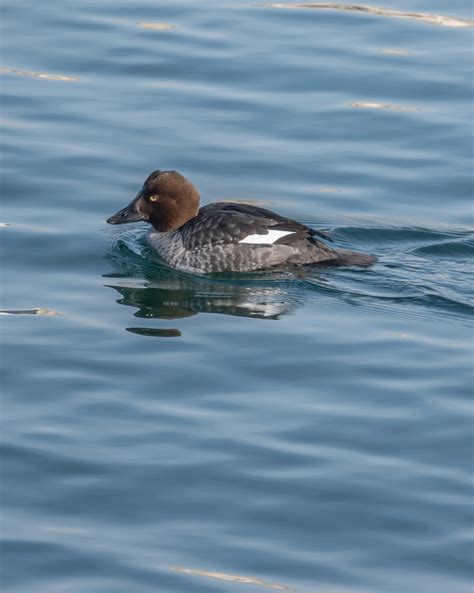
(436, 19)
(310, 429)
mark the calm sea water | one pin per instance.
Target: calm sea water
(308, 431)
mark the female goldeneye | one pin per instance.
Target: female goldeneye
(224, 236)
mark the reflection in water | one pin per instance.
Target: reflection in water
(394, 51)
(156, 26)
(43, 75)
(436, 19)
(222, 576)
(181, 299)
(159, 292)
(40, 311)
(155, 332)
(375, 105)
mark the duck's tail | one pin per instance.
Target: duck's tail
(350, 258)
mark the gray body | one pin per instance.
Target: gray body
(235, 257)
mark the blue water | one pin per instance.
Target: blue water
(308, 430)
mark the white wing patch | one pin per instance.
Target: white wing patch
(267, 239)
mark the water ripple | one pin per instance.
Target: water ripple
(436, 19)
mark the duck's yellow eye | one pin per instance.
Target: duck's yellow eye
(153, 198)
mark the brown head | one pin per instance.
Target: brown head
(167, 200)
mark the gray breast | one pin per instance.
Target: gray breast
(169, 246)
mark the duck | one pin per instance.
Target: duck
(225, 236)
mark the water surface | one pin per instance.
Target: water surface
(306, 430)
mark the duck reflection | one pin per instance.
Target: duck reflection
(158, 292)
(164, 302)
